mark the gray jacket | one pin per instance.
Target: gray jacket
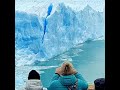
(33, 85)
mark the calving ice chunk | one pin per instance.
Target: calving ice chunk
(45, 22)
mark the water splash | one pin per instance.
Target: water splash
(45, 21)
(49, 9)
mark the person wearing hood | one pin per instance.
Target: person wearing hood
(99, 84)
(67, 78)
(33, 82)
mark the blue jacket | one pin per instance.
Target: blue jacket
(60, 82)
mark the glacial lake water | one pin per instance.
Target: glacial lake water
(87, 58)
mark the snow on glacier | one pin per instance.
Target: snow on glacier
(65, 28)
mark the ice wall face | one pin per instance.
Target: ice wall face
(91, 22)
(27, 29)
(65, 28)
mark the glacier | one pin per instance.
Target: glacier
(65, 29)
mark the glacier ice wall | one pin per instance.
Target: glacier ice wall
(65, 28)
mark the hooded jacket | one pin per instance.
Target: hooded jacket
(61, 82)
(33, 85)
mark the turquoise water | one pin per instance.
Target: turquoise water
(88, 59)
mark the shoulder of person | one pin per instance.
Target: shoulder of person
(55, 83)
(76, 73)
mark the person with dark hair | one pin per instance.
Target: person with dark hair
(99, 84)
(33, 75)
(67, 78)
(34, 82)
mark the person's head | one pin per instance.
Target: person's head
(67, 68)
(33, 74)
(99, 84)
